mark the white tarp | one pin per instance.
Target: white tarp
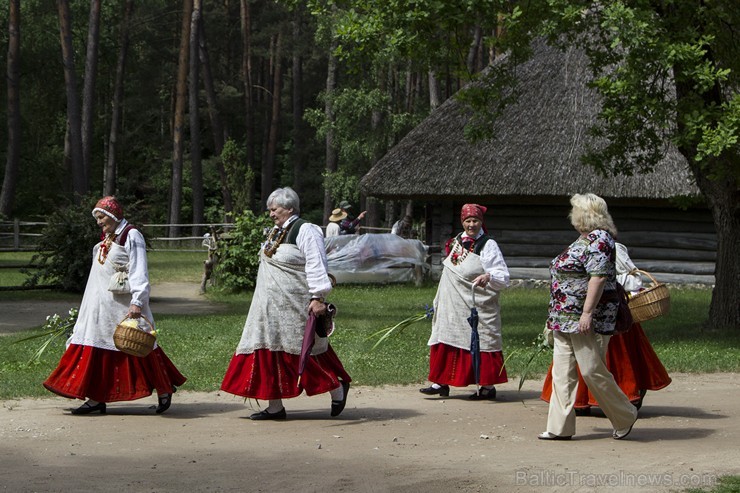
(376, 258)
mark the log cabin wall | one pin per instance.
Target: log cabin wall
(676, 246)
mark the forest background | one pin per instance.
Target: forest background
(193, 111)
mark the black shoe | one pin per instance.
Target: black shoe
(86, 408)
(443, 390)
(638, 402)
(164, 402)
(583, 411)
(338, 406)
(484, 395)
(264, 415)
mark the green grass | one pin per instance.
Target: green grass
(10, 267)
(176, 266)
(163, 267)
(201, 346)
(725, 484)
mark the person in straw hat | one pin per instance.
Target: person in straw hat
(92, 367)
(332, 229)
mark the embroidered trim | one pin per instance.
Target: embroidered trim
(459, 252)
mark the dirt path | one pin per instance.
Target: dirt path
(388, 439)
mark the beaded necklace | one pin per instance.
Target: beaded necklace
(105, 248)
(459, 252)
(274, 239)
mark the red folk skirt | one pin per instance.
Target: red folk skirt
(449, 365)
(266, 374)
(110, 376)
(632, 361)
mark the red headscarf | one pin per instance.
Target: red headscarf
(472, 210)
(110, 207)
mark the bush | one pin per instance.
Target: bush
(238, 252)
(65, 249)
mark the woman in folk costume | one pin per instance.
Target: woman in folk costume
(473, 259)
(629, 357)
(92, 367)
(291, 282)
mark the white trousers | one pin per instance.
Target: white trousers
(588, 351)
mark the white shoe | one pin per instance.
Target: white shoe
(619, 434)
(546, 435)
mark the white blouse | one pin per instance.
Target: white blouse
(493, 263)
(310, 241)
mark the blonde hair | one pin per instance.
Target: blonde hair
(589, 212)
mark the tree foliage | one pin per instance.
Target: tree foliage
(238, 252)
(667, 73)
(65, 249)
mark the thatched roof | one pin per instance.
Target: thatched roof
(535, 151)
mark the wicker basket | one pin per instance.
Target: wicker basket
(133, 340)
(651, 302)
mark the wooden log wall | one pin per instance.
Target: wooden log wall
(673, 244)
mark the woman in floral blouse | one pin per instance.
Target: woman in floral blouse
(582, 316)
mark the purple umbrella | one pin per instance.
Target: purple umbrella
(322, 326)
(309, 335)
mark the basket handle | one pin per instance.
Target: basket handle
(646, 273)
(151, 325)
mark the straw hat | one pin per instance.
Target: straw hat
(337, 215)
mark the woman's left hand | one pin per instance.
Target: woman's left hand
(317, 307)
(482, 280)
(584, 323)
(134, 311)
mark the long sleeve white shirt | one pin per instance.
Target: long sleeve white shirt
(493, 263)
(310, 241)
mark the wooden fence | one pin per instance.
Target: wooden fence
(23, 236)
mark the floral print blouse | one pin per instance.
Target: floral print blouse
(590, 255)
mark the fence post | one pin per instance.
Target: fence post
(16, 234)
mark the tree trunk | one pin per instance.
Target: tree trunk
(473, 51)
(268, 166)
(196, 165)
(332, 157)
(74, 117)
(216, 124)
(110, 171)
(12, 162)
(88, 90)
(246, 28)
(721, 193)
(179, 121)
(299, 145)
(724, 309)
(434, 101)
